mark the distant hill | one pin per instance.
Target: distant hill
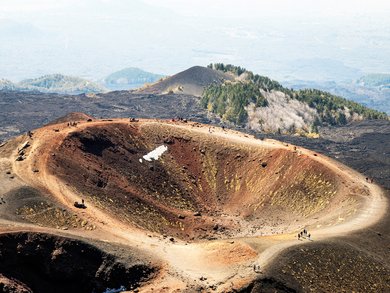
(192, 81)
(260, 103)
(7, 85)
(130, 78)
(381, 80)
(54, 83)
(58, 83)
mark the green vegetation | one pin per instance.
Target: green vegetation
(328, 106)
(263, 82)
(237, 70)
(229, 99)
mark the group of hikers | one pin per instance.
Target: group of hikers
(181, 119)
(212, 128)
(304, 234)
(256, 268)
(72, 123)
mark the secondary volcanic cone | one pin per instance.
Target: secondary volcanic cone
(204, 184)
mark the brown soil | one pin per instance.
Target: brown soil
(214, 205)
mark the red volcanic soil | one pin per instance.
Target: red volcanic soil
(237, 189)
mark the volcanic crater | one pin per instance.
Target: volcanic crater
(207, 185)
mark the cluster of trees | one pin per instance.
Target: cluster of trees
(331, 108)
(237, 70)
(228, 100)
(263, 82)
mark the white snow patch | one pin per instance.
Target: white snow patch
(155, 154)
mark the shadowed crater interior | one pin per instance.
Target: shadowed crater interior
(34, 262)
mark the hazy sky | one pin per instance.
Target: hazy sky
(283, 38)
